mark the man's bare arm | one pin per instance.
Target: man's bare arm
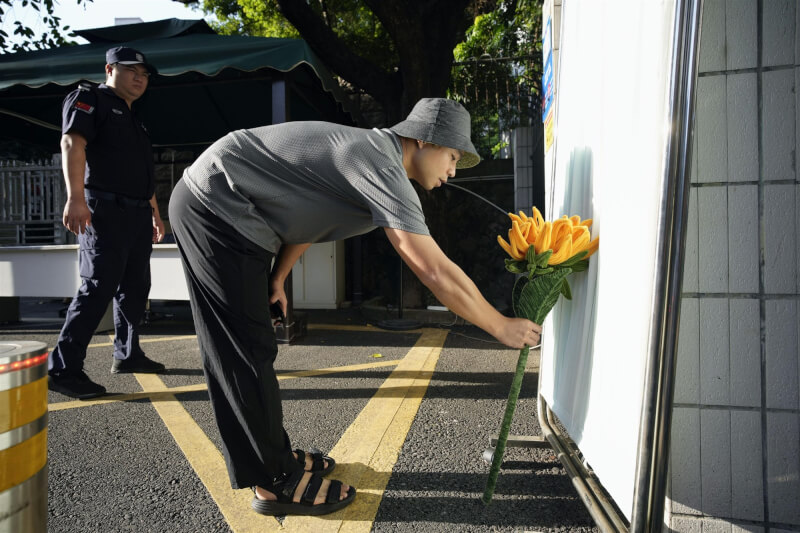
(284, 261)
(457, 291)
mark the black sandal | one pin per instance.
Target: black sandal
(285, 505)
(317, 461)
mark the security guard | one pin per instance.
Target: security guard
(111, 206)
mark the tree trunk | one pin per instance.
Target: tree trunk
(424, 34)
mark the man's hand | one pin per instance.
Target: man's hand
(277, 298)
(519, 332)
(77, 215)
(158, 228)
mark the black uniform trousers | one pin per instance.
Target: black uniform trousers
(114, 263)
(227, 276)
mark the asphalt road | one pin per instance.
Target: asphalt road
(407, 415)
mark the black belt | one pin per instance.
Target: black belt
(122, 200)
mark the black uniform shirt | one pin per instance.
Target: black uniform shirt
(119, 155)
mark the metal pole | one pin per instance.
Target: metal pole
(400, 323)
(599, 507)
(656, 418)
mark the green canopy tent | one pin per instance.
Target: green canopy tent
(208, 84)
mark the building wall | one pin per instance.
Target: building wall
(735, 458)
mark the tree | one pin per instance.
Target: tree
(396, 51)
(497, 72)
(53, 35)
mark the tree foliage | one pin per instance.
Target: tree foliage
(248, 17)
(53, 35)
(497, 72)
(397, 52)
(486, 54)
(350, 20)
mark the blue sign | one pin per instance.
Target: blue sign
(547, 74)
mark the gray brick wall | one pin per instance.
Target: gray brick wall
(735, 458)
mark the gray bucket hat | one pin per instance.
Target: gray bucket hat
(442, 122)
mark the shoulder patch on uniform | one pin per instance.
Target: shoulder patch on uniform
(83, 106)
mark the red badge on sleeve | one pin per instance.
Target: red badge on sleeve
(86, 108)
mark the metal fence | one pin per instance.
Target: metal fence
(501, 94)
(32, 197)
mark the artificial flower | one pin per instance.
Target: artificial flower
(547, 252)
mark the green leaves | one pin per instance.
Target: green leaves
(534, 298)
(25, 38)
(566, 291)
(535, 294)
(575, 258)
(530, 255)
(516, 267)
(536, 264)
(580, 266)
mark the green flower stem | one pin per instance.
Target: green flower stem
(511, 405)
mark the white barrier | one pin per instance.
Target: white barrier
(52, 271)
(621, 124)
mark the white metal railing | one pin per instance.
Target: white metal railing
(32, 199)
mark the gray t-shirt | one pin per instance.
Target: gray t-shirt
(302, 182)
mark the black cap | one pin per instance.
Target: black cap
(128, 56)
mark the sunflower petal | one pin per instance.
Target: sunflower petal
(580, 239)
(507, 247)
(543, 239)
(592, 248)
(518, 238)
(563, 253)
(538, 219)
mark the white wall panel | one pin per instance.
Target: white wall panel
(610, 147)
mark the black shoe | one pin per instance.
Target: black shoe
(74, 385)
(142, 365)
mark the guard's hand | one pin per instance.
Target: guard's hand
(77, 215)
(158, 228)
(520, 332)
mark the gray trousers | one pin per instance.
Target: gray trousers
(228, 277)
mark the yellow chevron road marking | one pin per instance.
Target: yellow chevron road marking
(365, 454)
(368, 450)
(161, 394)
